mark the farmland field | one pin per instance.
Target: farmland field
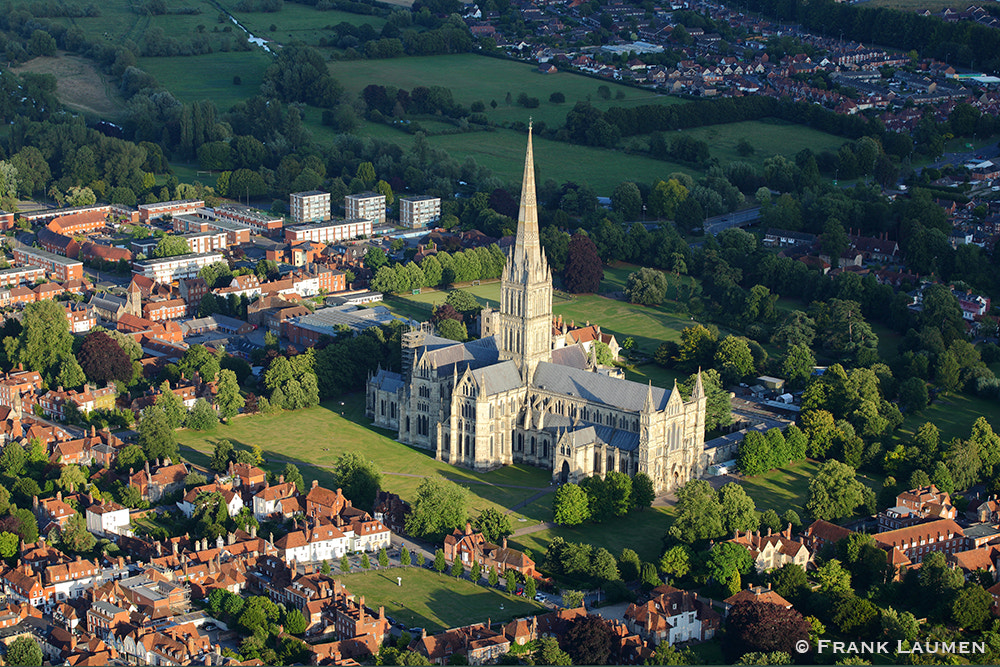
(79, 84)
(768, 137)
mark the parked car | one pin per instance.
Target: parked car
(415, 631)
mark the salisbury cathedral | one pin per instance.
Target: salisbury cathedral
(514, 397)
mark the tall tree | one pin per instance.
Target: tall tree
(834, 492)
(699, 515)
(583, 270)
(228, 399)
(359, 478)
(45, 344)
(103, 359)
(570, 506)
(493, 525)
(763, 627)
(156, 437)
(440, 506)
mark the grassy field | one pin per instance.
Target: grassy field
(435, 601)
(474, 78)
(640, 531)
(298, 23)
(79, 84)
(210, 77)
(953, 414)
(768, 137)
(314, 438)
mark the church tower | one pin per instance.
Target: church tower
(525, 330)
(133, 301)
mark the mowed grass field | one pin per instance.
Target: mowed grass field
(79, 84)
(474, 78)
(435, 601)
(768, 137)
(953, 414)
(314, 438)
(210, 76)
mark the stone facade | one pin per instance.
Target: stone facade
(511, 398)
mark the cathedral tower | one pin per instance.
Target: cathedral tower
(525, 330)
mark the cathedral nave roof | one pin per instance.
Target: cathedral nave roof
(597, 388)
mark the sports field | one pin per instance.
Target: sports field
(435, 601)
(79, 84)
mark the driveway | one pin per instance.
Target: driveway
(612, 612)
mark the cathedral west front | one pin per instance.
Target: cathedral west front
(510, 397)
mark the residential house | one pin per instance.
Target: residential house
(773, 550)
(471, 547)
(268, 502)
(756, 594)
(478, 643)
(108, 519)
(233, 501)
(162, 482)
(673, 616)
(915, 506)
(822, 533)
(56, 403)
(910, 545)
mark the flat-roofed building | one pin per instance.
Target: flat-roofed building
(310, 206)
(419, 211)
(368, 205)
(329, 232)
(258, 220)
(156, 211)
(58, 268)
(190, 224)
(169, 269)
(236, 232)
(16, 275)
(206, 241)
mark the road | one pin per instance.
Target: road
(720, 223)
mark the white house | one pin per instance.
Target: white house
(268, 500)
(108, 519)
(368, 536)
(324, 542)
(234, 503)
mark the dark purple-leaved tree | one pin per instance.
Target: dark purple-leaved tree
(103, 360)
(583, 271)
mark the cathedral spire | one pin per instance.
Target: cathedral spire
(648, 407)
(699, 388)
(527, 241)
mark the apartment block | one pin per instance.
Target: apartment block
(16, 275)
(58, 268)
(169, 269)
(420, 211)
(366, 205)
(310, 206)
(206, 241)
(258, 220)
(329, 232)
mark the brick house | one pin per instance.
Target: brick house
(917, 505)
(673, 616)
(164, 481)
(471, 547)
(912, 544)
(479, 643)
(86, 400)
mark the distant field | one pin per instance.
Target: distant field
(297, 22)
(210, 77)
(473, 77)
(954, 415)
(435, 601)
(768, 137)
(917, 5)
(79, 84)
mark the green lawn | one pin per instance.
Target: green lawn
(313, 439)
(954, 414)
(641, 531)
(210, 77)
(473, 77)
(435, 601)
(782, 490)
